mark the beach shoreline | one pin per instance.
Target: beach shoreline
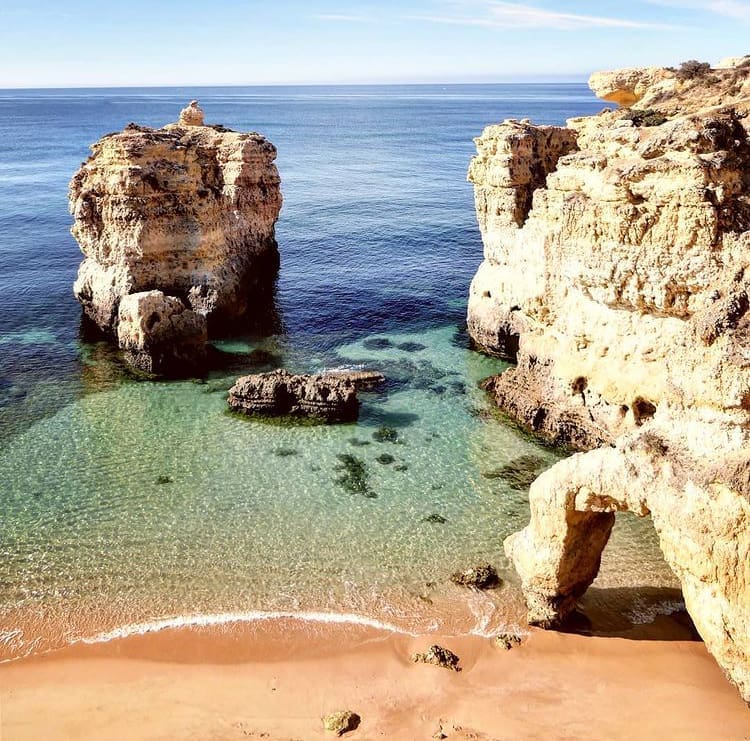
(276, 680)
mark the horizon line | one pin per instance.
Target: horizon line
(534, 80)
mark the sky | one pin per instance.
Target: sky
(79, 43)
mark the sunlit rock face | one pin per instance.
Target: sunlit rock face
(621, 290)
(187, 209)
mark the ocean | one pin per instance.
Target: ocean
(128, 505)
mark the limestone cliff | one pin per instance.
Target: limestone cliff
(188, 209)
(621, 290)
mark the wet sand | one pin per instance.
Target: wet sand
(275, 680)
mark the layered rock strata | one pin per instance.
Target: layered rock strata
(327, 398)
(188, 209)
(622, 295)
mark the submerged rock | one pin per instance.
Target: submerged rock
(385, 435)
(377, 343)
(281, 394)
(385, 458)
(341, 722)
(357, 443)
(188, 209)
(435, 519)
(354, 477)
(519, 473)
(411, 346)
(286, 452)
(480, 577)
(438, 656)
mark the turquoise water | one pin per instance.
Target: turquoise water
(127, 502)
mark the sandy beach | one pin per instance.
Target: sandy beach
(276, 681)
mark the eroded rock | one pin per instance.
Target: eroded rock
(507, 641)
(282, 394)
(159, 335)
(187, 209)
(622, 294)
(438, 656)
(341, 722)
(483, 576)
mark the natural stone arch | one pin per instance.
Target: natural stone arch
(702, 518)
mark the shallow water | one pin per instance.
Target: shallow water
(125, 502)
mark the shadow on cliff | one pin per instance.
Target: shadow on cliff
(633, 613)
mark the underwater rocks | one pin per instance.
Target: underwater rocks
(438, 656)
(520, 473)
(187, 209)
(281, 394)
(353, 475)
(479, 577)
(385, 435)
(159, 335)
(617, 275)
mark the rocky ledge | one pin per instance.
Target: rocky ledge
(188, 210)
(328, 397)
(616, 276)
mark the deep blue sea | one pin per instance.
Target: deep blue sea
(126, 502)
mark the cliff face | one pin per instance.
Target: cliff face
(187, 209)
(622, 293)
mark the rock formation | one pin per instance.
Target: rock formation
(620, 286)
(187, 209)
(159, 335)
(329, 398)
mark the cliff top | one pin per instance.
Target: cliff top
(689, 88)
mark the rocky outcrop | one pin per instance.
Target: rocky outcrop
(281, 394)
(691, 87)
(159, 335)
(483, 576)
(438, 656)
(622, 295)
(187, 209)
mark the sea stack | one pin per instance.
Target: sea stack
(617, 276)
(188, 210)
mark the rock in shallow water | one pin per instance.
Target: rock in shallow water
(282, 394)
(480, 577)
(160, 335)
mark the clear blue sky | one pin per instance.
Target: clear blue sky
(163, 42)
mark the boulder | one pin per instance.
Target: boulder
(341, 722)
(479, 577)
(282, 394)
(438, 656)
(160, 335)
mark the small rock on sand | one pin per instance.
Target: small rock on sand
(438, 656)
(341, 722)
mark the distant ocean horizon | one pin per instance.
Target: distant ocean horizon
(129, 503)
(541, 80)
